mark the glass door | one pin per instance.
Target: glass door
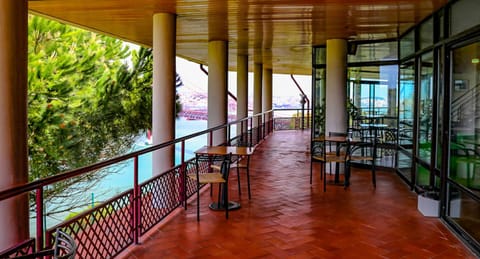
(463, 179)
(406, 97)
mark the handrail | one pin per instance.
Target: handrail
(464, 97)
(206, 73)
(14, 191)
(304, 97)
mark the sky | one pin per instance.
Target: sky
(283, 85)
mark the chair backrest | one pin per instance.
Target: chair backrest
(337, 134)
(204, 162)
(225, 167)
(64, 247)
(368, 148)
(390, 136)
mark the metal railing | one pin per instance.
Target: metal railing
(106, 230)
(292, 119)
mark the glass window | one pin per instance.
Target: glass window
(425, 107)
(319, 102)
(406, 105)
(381, 51)
(441, 25)
(407, 44)
(440, 52)
(423, 176)
(405, 164)
(463, 209)
(426, 34)
(465, 117)
(320, 57)
(464, 15)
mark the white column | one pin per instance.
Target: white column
(217, 88)
(336, 92)
(13, 119)
(257, 90)
(163, 105)
(267, 90)
(242, 90)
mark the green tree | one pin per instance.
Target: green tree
(85, 103)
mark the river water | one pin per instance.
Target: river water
(119, 177)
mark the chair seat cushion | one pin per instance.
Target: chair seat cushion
(360, 158)
(329, 158)
(208, 178)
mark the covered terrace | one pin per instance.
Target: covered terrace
(289, 218)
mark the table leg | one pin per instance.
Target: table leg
(219, 205)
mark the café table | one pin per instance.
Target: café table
(338, 140)
(225, 150)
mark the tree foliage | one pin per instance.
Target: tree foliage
(85, 101)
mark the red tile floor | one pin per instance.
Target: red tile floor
(289, 218)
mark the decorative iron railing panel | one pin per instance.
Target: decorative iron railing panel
(24, 248)
(104, 231)
(191, 185)
(159, 197)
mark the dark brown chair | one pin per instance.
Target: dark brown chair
(321, 154)
(64, 247)
(362, 152)
(205, 174)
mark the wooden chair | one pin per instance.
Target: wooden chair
(64, 247)
(321, 154)
(333, 146)
(242, 162)
(361, 151)
(389, 144)
(205, 174)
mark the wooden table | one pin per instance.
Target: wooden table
(225, 150)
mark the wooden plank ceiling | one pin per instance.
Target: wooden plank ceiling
(278, 33)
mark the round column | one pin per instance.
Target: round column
(267, 89)
(267, 92)
(257, 90)
(242, 91)
(14, 219)
(163, 105)
(336, 92)
(217, 89)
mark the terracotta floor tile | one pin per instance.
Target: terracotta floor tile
(289, 218)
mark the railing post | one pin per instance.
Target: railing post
(250, 120)
(40, 227)
(211, 138)
(228, 134)
(270, 129)
(303, 115)
(259, 129)
(136, 202)
(183, 175)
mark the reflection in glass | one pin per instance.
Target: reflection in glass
(426, 33)
(318, 92)
(406, 105)
(405, 164)
(465, 117)
(373, 93)
(464, 211)
(407, 44)
(380, 51)
(425, 108)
